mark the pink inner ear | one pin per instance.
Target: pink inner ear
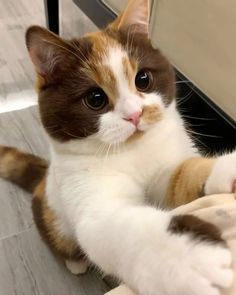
(35, 60)
(45, 49)
(38, 57)
(137, 15)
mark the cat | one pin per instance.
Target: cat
(119, 153)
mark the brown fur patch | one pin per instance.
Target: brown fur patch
(23, 169)
(187, 181)
(151, 114)
(98, 69)
(46, 222)
(196, 228)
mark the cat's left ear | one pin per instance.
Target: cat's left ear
(135, 17)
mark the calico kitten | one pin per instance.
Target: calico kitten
(119, 151)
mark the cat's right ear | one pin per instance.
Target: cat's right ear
(135, 17)
(48, 52)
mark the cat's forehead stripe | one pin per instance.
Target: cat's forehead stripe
(124, 71)
(111, 67)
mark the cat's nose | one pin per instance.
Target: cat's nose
(134, 118)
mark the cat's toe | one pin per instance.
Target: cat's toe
(217, 269)
(77, 267)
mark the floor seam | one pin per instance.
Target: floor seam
(16, 233)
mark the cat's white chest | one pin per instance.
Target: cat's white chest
(75, 178)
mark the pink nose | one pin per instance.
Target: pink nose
(134, 118)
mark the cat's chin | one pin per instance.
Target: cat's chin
(135, 136)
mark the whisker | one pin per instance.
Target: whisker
(81, 52)
(71, 134)
(107, 153)
(206, 135)
(199, 141)
(198, 118)
(60, 46)
(183, 81)
(181, 100)
(101, 149)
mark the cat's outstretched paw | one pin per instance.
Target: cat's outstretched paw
(77, 267)
(223, 176)
(194, 261)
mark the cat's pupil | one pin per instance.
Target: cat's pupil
(96, 99)
(142, 80)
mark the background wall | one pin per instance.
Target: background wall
(200, 39)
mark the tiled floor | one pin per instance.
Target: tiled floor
(27, 267)
(16, 70)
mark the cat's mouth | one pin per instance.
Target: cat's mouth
(150, 115)
(136, 135)
(114, 129)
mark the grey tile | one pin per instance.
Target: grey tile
(26, 264)
(21, 129)
(15, 210)
(27, 267)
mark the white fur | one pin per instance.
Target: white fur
(223, 175)
(77, 267)
(127, 101)
(100, 199)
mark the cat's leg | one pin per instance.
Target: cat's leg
(153, 251)
(187, 181)
(201, 176)
(47, 223)
(222, 178)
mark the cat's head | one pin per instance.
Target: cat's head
(111, 84)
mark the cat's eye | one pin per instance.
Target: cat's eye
(143, 80)
(96, 99)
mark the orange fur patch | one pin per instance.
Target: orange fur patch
(96, 69)
(100, 72)
(130, 70)
(187, 181)
(151, 114)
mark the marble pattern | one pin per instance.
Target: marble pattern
(26, 264)
(16, 71)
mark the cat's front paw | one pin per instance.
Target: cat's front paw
(193, 260)
(205, 260)
(223, 176)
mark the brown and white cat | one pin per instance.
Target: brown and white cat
(119, 152)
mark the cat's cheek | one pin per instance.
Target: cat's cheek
(144, 126)
(116, 135)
